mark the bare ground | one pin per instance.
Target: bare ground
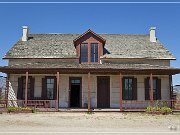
(83, 123)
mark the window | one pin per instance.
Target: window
(91, 49)
(28, 88)
(22, 87)
(128, 88)
(94, 52)
(50, 88)
(84, 53)
(156, 88)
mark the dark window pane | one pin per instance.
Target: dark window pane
(28, 88)
(154, 88)
(94, 52)
(84, 53)
(50, 88)
(128, 88)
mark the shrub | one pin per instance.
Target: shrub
(14, 109)
(166, 110)
(158, 110)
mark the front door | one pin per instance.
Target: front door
(75, 92)
(103, 92)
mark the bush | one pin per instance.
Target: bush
(166, 110)
(158, 110)
(16, 109)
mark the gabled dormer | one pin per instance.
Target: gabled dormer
(89, 47)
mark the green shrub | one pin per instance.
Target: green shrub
(13, 109)
(158, 110)
(166, 110)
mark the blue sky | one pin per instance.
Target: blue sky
(101, 18)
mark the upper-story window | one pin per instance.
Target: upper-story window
(94, 52)
(89, 47)
(89, 50)
(84, 53)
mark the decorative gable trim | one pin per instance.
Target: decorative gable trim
(89, 31)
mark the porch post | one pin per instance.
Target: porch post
(7, 90)
(151, 89)
(57, 95)
(120, 91)
(26, 89)
(89, 93)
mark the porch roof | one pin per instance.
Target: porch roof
(51, 67)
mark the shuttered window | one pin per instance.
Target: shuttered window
(22, 87)
(156, 89)
(49, 88)
(129, 88)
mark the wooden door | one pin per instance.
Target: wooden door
(103, 92)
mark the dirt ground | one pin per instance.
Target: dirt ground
(84, 123)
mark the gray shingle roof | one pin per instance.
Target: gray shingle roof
(55, 65)
(61, 46)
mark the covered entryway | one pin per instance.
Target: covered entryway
(103, 92)
(75, 92)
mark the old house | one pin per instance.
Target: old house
(90, 70)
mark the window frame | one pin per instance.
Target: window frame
(87, 52)
(124, 89)
(155, 93)
(54, 88)
(89, 44)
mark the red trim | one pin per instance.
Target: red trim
(89, 31)
(151, 87)
(120, 91)
(89, 93)
(57, 93)
(26, 89)
(69, 99)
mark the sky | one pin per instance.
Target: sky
(129, 18)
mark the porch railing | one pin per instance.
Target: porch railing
(143, 104)
(41, 105)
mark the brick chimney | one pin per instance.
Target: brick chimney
(25, 33)
(152, 34)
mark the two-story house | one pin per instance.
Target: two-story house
(90, 70)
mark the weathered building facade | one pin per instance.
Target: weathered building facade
(90, 70)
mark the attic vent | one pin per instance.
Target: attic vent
(25, 33)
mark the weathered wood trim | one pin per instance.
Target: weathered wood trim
(26, 89)
(120, 91)
(89, 93)
(69, 99)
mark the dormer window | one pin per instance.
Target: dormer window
(84, 53)
(89, 47)
(94, 52)
(92, 49)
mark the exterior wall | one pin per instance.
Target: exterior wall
(114, 61)
(114, 88)
(137, 61)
